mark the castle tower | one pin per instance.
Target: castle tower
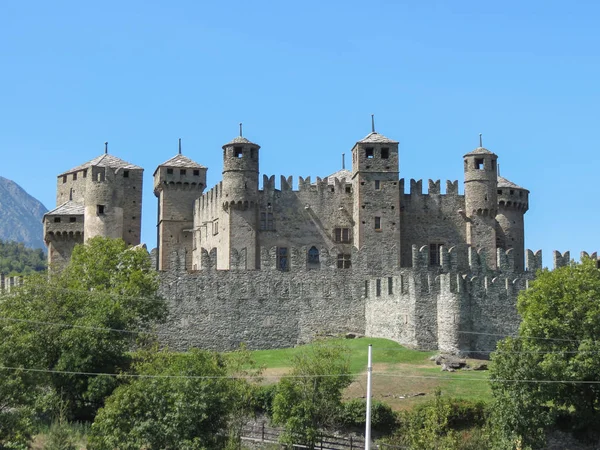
(481, 201)
(240, 202)
(178, 182)
(102, 197)
(513, 203)
(376, 194)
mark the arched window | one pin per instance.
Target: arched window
(313, 255)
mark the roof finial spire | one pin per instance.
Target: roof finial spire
(480, 141)
(373, 123)
(106, 148)
(180, 146)
(343, 160)
(241, 129)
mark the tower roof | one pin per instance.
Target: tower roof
(340, 174)
(504, 183)
(183, 162)
(376, 138)
(240, 140)
(480, 151)
(104, 160)
(69, 208)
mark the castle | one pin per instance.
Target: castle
(273, 267)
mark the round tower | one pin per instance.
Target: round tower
(481, 201)
(513, 203)
(240, 172)
(239, 199)
(103, 213)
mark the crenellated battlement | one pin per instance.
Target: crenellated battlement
(211, 198)
(433, 187)
(286, 184)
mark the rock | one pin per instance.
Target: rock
(447, 368)
(481, 366)
(350, 335)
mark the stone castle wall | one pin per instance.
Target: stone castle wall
(426, 307)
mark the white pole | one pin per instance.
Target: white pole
(368, 418)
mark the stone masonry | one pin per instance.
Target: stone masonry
(274, 266)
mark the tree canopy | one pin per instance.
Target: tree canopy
(16, 259)
(550, 372)
(70, 322)
(311, 398)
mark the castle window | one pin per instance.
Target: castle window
(196, 173)
(434, 254)
(64, 179)
(390, 285)
(84, 173)
(237, 152)
(378, 287)
(182, 172)
(74, 176)
(57, 220)
(366, 288)
(343, 261)
(377, 184)
(348, 189)
(72, 219)
(369, 152)
(282, 259)
(169, 171)
(99, 209)
(479, 163)
(215, 226)
(385, 153)
(499, 191)
(341, 234)
(267, 223)
(512, 192)
(313, 255)
(378, 223)
(126, 174)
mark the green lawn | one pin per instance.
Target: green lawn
(397, 372)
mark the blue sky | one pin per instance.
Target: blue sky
(304, 78)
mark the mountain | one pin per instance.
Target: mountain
(20, 215)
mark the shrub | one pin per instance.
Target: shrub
(353, 414)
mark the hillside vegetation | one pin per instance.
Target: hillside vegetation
(15, 259)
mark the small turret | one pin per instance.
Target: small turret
(240, 171)
(481, 200)
(513, 203)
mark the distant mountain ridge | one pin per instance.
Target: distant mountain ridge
(20, 215)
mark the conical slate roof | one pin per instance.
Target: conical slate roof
(481, 151)
(69, 208)
(104, 160)
(182, 161)
(504, 183)
(376, 138)
(239, 140)
(340, 174)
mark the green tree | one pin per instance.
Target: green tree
(545, 373)
(171, 406)
(311, 398)
(106, 286)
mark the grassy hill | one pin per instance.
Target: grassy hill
(399, 373)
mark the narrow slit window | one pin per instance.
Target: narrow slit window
(282, 259)
(378, 287)
(366, 288)
(434, 254)
(377, 184)
(390, 285)
(378, 223)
